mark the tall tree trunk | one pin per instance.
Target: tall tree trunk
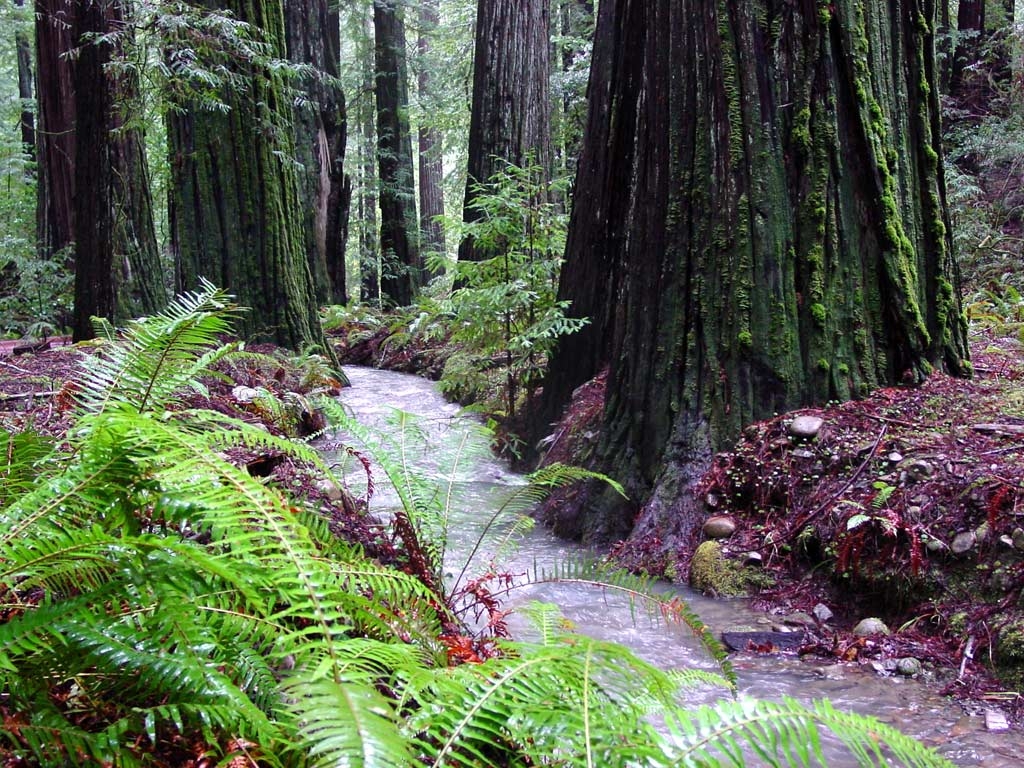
(55, 191)
(313, 32)
(430, 146)
(576, 23)
(402, 265)
(369, 253)
(970, 23)
(510, 119)
(26, 122)
(236, 216)
(760, 223)
(94, 242)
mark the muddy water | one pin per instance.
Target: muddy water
(481, 485)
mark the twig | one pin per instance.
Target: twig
(6, 398)
(888, 420)
(831, 500)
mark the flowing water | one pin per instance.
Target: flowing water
(482, 484)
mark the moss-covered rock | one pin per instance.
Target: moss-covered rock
(712, 572)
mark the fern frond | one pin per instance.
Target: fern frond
(787, 733)
(346, 723)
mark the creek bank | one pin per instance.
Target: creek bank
(906, 507)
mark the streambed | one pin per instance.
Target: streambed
(482, 483)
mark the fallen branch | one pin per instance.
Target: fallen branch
(6, 398)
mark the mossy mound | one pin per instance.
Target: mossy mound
(712, 572)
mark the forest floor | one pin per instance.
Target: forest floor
(907, 506)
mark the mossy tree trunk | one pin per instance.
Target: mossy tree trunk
(401, 261)
(313, 36)
(236, 217)
(510, 118)
(760, 223)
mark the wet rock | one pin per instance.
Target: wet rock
(803, 453)
(1017, 537)
(753, 559)
(329, 489)
(934, 546)
(799, 619)
(908, 666)
(996, 720)
(719, 527)
(806, 427)
(763, 642)
(870, 626)
(822, 613)
(963, 542)
(895, 457)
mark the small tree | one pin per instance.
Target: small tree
(506, 312)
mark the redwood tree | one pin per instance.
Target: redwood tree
(313, 36)
(430, 146)
(402, 264)
(236, 217)
(760, 223)
(510, 118)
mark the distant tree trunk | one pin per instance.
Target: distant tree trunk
(313, 31)
(369, 253)
(236, 216)
(510, 119)
(576, 23)
(430, 148)
(402, 265)
(760, 223)
(970, 22)
(23, 48)
(55, 191)
(93, 221)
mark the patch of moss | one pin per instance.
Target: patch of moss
(712, 572)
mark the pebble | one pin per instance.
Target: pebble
(895, 457)
(806, 427)
(963, 542)
(719, 527)
(919, 469)
(908, 666)
(1017, 537)
(753, 559)
(244, 394)
(870, 626)
(803, 453)
(822, 613)
(329, 489)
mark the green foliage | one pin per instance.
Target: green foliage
(150, 588)
(504, 313)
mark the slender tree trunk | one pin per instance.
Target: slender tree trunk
(236, 216)
(760, 223)
(402, 265)
(55, 191)
(94, 243)
(430, 145)
(510, 119)
(26, 123)
(313, 31)
(369, 252)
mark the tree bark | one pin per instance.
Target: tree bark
(970, 23)
(55, 191)
(92, 221)
(369, 253)
(313, 32)
(760, 223)
(236, 216)
(432, 238)
(401, 262)
(510, 119)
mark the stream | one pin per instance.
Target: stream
(483, 483)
